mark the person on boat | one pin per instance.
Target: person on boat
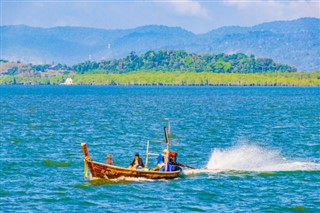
(108, 160)
(173, 161)
(137, 162)
(161, 160)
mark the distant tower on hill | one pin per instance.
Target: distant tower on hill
(108, 53)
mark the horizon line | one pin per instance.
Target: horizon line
(158, 25)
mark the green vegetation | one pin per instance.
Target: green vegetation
(5, 79)
(163, 60)
(164, 68)
(177, 78)
(172, 61)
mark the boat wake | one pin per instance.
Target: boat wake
(252, 158)
(120, 180)
(131, 179)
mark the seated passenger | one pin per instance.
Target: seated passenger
(173, 161)
(137, 163)
(108, 160)
(161, 160)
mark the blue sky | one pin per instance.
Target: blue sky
(196, 16)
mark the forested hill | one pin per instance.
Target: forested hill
(293, 42)
(170, 61)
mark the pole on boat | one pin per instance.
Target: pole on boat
(147, 154)
(86, 156)
(85, 150)
(190, 167)
(167, 142)
(166, 135)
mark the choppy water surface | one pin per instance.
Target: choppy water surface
(256, 149)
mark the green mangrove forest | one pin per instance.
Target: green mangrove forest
(176, 78)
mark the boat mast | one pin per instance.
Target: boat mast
(167, 142)
(147, 154)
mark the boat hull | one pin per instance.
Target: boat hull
(100, 170)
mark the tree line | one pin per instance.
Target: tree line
(164, 60)
(171, 61)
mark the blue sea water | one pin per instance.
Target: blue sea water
(255, 148)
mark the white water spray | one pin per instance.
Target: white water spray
(254, 158)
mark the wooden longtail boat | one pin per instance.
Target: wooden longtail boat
(101, 170)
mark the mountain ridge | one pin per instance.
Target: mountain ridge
(294, 42)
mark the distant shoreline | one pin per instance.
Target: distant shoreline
(172, 79)
(150, 85)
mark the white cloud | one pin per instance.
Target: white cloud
(188, 7)
(277, 9)
(239, 4)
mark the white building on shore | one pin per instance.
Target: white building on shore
(68, 82)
